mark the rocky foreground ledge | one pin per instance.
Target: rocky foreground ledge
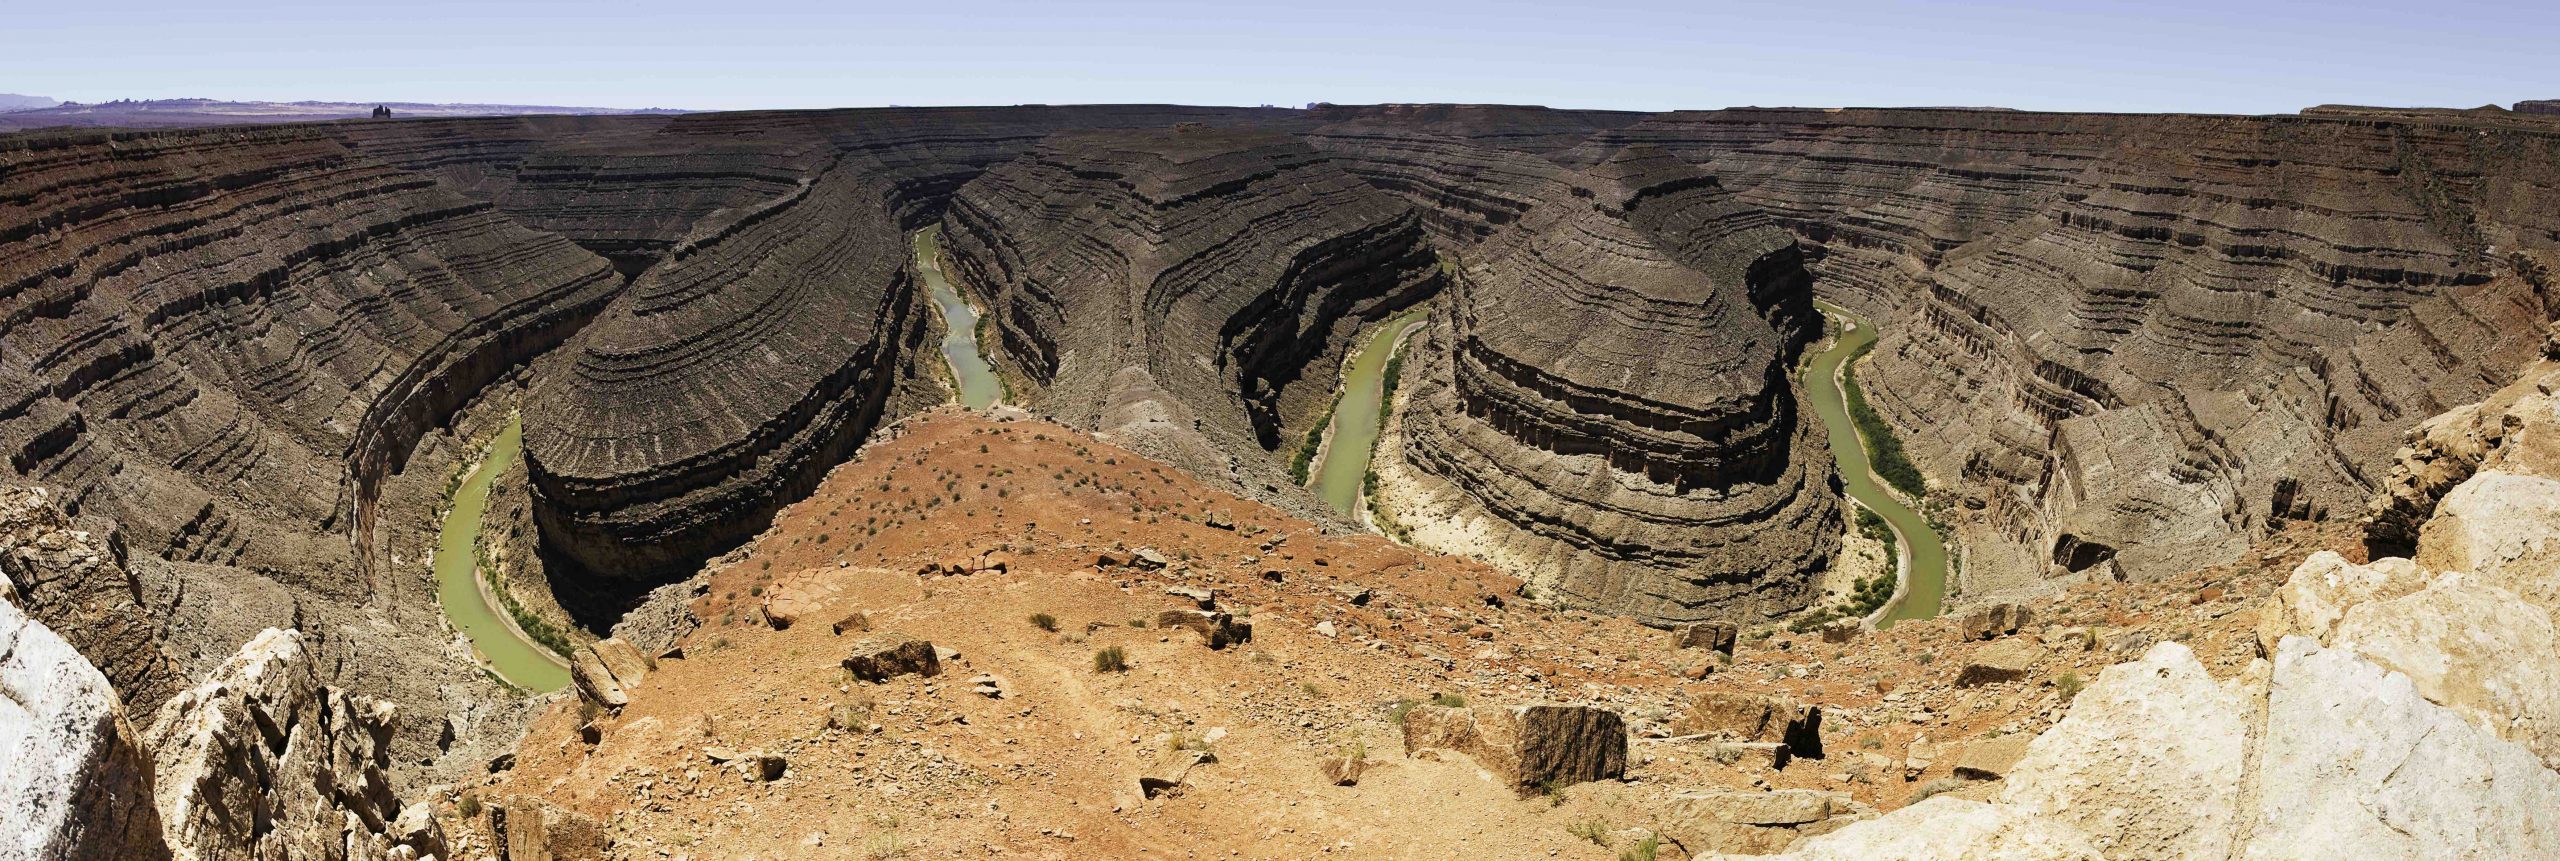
(260, 761)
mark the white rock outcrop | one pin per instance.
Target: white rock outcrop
(2354, 763)
(2407, 712)
(264, 762)
(2148, 763)
(74, 786)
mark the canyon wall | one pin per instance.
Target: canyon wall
(1186, 291)
(725, 381)
(2126, 345)
(1605, 404)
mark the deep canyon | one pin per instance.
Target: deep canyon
(244, 368)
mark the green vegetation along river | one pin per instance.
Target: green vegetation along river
(521, 662)
(1357, 412)
(979, 388)
(1923, 554)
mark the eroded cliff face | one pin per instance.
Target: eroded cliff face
(1186, 290)
(1604, 406)
(225, 339)
(2128, 344)
(2397, 709)
(725, 381)
(223, 350)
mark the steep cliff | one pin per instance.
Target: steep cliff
(725, 381)
(1605, 405)
(1182, 289)
(2130, 343)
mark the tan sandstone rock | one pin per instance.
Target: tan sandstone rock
(1527, 747)
(2004, 661)
(877, 658)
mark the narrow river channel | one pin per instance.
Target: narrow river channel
(521, 662)
(1357, 414)
(1924, 556)
(979, 388)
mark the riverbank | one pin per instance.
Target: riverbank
(1341, 460)
(974, 381)
(468, 606)
(1920, 554)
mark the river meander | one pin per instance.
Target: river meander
(979, 388)
(521, 662)
(1924, 555)
(1357, 415)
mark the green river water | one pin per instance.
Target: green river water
(1925, 590)
(1356, 416)
(979, 388)
(521, 662)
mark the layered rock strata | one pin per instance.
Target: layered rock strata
(1605, 404)
(2138, 342)
(2397, 711)
(724, 382)
(1182, 290)
(224, 340)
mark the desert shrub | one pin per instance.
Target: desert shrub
(1111, 659)
(1044, 621)
(1594, 829)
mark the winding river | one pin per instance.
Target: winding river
(521, 662)
(1357, 414)
(1923, 556)
(979, 388)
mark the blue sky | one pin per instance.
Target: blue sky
(2185, 55)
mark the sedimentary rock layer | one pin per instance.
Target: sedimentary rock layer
(1607, 391)
(2136, 342)
(1181, 288)
(225, 339)
(725, 381)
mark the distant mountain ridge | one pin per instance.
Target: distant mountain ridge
(168, 113)
(15, 102)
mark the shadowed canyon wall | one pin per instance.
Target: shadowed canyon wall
(2122, 345)
(1180, 289)
(1605, 405)
(2127, 345)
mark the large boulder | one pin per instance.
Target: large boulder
(880, 657)
(1948, 828)
(1736, 716)
(2004, 661)
(2149, 762)
(2355, 763)
(2503, 528)
(1531, 748)
(1719, 636)
(2323, 587)
(262, 761)
(1753, 822)
(530, 829)
(75, 784)
(607, 671)
(1996, 621)
(2471, 647)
